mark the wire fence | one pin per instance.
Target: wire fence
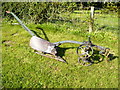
(72, 16)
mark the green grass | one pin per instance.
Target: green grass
(21, 67)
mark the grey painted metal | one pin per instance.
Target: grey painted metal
(37, 43)
(100, 47)
(40, 44)
(26, 28)
(68, 41)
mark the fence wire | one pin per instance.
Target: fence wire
(71, 15)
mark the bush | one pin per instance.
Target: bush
(36, 11)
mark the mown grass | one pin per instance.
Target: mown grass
(21, 67)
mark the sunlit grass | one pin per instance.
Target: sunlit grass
(21, 67)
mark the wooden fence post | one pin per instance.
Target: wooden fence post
(91, 22)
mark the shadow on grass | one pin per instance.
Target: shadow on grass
(95, 58)
(42, 32)
(112, 57)
(61, 51)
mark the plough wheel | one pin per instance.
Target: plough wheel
(84, 53)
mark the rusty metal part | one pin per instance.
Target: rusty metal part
(58, 58)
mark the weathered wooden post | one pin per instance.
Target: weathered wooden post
(91, 22)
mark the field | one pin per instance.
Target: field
(22, 68)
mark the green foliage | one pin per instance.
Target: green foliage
(110, 7)
(36, 12)
(40, 12)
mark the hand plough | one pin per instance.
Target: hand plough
(85, 50)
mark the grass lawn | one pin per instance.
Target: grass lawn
(21, 67)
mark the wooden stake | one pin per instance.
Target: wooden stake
(91, 23)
